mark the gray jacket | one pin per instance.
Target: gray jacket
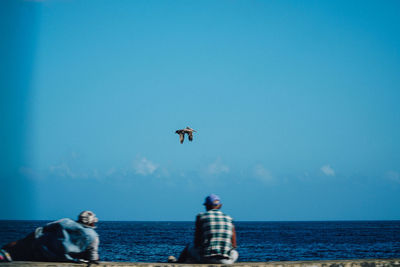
(66, 240)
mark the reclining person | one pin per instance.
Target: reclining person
(62, 240)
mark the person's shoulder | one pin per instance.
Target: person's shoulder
(226, 215)
(61, 221)
(69, 221)
(200, 214)
(64, 223)
(229, 216)
(91, 231)
(207, 213)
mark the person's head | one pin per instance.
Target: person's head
(212, 202)
(87, 217)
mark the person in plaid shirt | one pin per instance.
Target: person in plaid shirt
(215, 236)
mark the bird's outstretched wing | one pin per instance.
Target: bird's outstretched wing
(190, 134)
(182, 137)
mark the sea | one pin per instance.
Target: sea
(257, 241)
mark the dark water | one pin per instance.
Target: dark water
(258, 241)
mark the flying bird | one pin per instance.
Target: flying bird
(189, 131)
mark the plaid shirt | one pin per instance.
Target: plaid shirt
(216, 233)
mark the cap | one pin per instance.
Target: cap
(212, 200)
(87, 217)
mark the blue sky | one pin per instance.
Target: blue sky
(295, 104)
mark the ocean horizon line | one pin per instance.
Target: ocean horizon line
(189, 221)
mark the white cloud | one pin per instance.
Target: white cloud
(96, 173)
(327, 170)
(263, 174)
(111, 171)
(217, 167)
(394, 176)
(144, 166)
(163, 172)
(62, 170)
